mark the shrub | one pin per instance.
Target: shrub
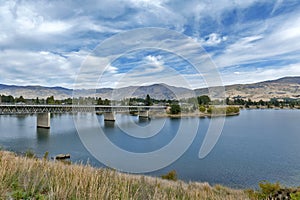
(267, 188)
(295, 196)
(232, 109)
(202, 108)
(171, 175)
(223, 110)
(29, 154)
(216, 110)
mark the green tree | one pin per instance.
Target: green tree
(20, 99)
(148, 101)
(7, 99)
(99, 101)
(106, 102)
(37, 101)
(262, 103)
(175, 109)
(68, 101)
(203, 100)
(227, 101)
(50, 100)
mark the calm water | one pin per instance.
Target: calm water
(256, 145)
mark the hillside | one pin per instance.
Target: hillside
(31, 92)
(157, 91)
(287, 87)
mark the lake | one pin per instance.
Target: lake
(254, 146)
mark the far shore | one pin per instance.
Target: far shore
(208, 115)
(192, 114)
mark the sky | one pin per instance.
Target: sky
(50, 43)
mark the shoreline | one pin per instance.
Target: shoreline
(38, 178)
(200, 115)
(185, 115)
(26, 177)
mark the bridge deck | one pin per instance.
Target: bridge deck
(29, 109)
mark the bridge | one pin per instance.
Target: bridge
(43, 111)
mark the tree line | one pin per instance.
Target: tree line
(274, 102)
(202, 101)
(9, 99)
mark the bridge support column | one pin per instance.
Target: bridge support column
(43, 120)
(109, 116)
(144, 114)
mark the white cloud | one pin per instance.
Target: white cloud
(280, 39)
(111, 69)
(39, 68)
(54, 27)
(213, 39)
(260, 74)
(154, 60)
(42, 37)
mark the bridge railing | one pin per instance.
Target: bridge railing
(28, 109)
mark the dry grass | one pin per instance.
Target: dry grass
(29, 178)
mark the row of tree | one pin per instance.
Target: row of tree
(203, 100)
(9, 99)
(274, 102)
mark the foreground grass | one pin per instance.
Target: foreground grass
(30, 178)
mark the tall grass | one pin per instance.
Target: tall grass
(31, 178)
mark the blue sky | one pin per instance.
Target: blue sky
(47, 42)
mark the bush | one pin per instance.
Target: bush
(203, 100)
(295, 196)
(232, 109)
(202, 108)
(171, 175)
(223, 110)
(216, 110)
(267, 188)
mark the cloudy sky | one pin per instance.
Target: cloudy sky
(48, 42)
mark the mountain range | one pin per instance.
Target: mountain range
(287, 87)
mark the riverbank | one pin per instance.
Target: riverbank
(31, 178)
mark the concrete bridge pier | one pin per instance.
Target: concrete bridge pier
(43, 120)
(109, 116)
(144, 114)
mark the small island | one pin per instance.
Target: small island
(203, 111)
(206, 108)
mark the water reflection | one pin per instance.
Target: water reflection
(109, 124)
(43, 134)
(21, 117)
(143, 121)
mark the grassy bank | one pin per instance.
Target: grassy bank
(29, 178)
